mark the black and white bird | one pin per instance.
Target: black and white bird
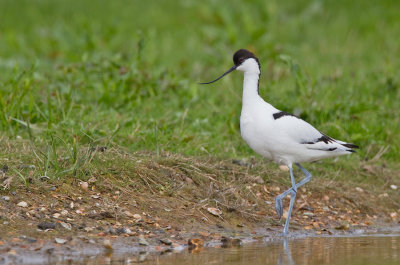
(278, 135)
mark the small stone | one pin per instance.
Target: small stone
(308, 214)
(23, 204)
(92, 180)
(383, 195)
(393, 215)
(88, 229)
(214, 211)
(107, 244)
(46, 225)
(143, 241)
(393, 187)
(276, 189)
(326, 208)
(56, 215)
(137, 216)
(84, 185)
(120, 230)
(166, 241)
(325, 198)
(64, 212)
(28, 239)
(66, 226)
(359, 189)
(60, 240)
(53, 188)
(5, 198)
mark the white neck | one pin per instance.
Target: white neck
(250, 87)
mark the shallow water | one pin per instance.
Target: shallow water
(333, 251)
(360, 250)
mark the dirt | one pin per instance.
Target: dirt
(136, 202)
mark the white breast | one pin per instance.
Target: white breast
(254, 127)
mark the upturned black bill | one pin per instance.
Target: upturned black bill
(227, 72)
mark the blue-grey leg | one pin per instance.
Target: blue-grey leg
(279, 198)
(306, 179)
(292, 191)
(292, 199)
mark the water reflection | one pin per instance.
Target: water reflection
(285, 254)
(331, 250)
(365, 250)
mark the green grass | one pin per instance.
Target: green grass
(125, 73)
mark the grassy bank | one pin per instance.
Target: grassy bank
(177, 197)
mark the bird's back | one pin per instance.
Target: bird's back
(285, 138)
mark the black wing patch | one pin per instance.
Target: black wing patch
(281, 114)
(324, 138)
(351, 146)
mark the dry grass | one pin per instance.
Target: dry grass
(178, 190)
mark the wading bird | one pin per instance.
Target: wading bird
(278, 135)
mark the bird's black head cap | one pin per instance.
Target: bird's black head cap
(241, 55)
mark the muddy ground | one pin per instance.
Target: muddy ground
(142, 202)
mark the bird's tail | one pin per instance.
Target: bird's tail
(349, 147)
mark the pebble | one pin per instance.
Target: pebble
(28, 239)
(53, 188)
(64, 212)
(276, 188)
(46, 225)
(56, 215)
(137, 216)
(60, 240)
(393, 187)
(23, 204)
(143, 241)
(107, 244)
(84, 185)
(66, 225)
(166, 241)
(5, 198)
(359, 189)
(120, 230)
(214, 211)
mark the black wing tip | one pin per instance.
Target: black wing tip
(353, 146)
(351, 151)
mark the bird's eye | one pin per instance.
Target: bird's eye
(241, 60)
